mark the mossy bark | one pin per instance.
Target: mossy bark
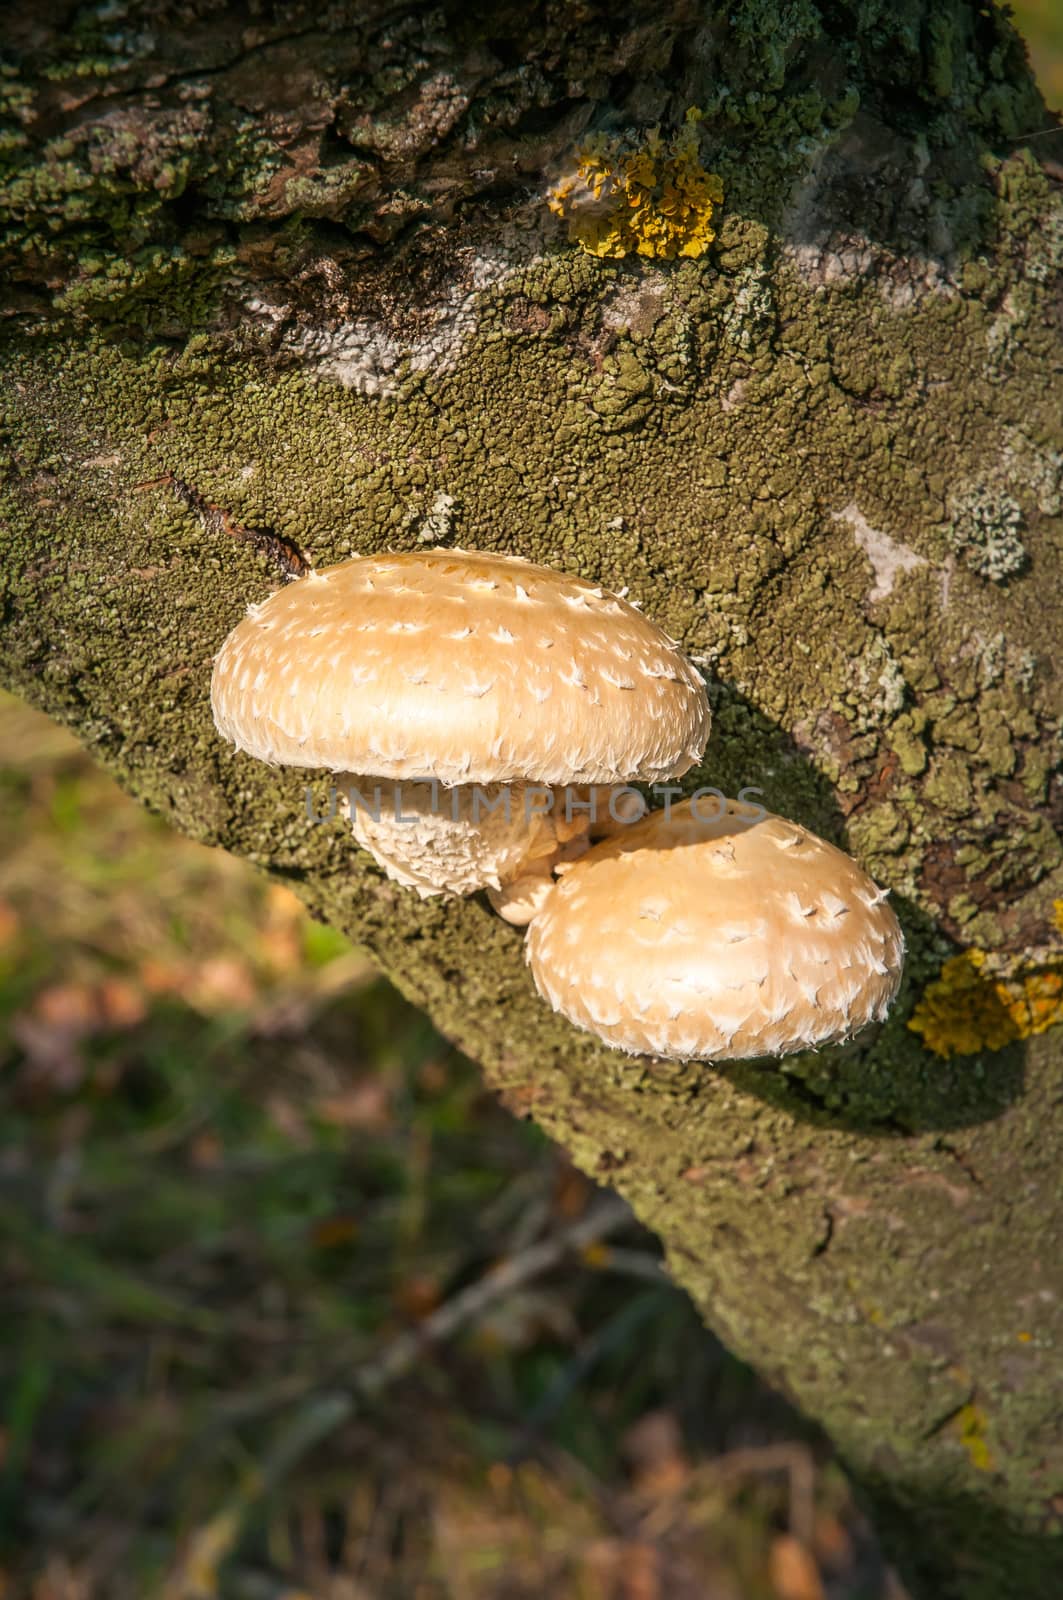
(305, 264)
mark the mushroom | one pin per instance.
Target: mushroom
(462, 689)
(717, 936)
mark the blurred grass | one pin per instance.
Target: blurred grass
(1041, 24)
(235, 1169)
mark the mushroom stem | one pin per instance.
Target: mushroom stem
(456, 840)
(518, 902)
(616, 807)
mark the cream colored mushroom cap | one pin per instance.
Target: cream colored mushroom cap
(465, 667)
(718, 939)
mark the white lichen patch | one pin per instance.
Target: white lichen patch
(1043, 245)
(372, 358)
(985, 524)
(998, 660)
(826, 253)
(993, 656)
(1003, 335)
(751, 311)
(839, 258)
(1037, 468)
(876, 687)
(437, 525)
(888, 557)
(636, 306)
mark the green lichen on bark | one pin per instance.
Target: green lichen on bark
(765, 447)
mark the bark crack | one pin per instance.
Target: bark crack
(284, 552)
(962, 1161)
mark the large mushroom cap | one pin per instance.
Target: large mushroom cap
(719, 939)
(465, 667)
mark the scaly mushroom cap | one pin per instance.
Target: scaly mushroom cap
(465, 667)
(718, 939)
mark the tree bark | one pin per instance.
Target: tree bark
(301, 260)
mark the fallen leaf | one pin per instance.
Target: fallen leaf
(572, 1192)
(205, 1151)
(417, 1297)
(365, 1104)
(333, 1231)
(640, 1572)
(222, 983)
(831, 1541)
(653, 1447)
(162, 977)
(793, 1571)
(9, 926)
(121, 1003)
(70, 1007)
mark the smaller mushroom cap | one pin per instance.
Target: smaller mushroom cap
(461, 666)
(735, 936)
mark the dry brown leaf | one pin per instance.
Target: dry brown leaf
(432, 1076)
(282, 906)
(205, 1151)
(71, 1007)
(640, 1572)
(793, 1571)
(9, 930)
(121, 1003)
(163, 977)
(364, 1104)
(280, 949)
(333, 1231)
(653, 1447)
(221, 983)
(417, 1297)
(572, 1192)
(831, 1541)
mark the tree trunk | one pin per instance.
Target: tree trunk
(300, 263)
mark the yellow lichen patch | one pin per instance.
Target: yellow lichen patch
(1057, 913)
(966, 1009)
(962, 1011)
(652, 200)
(1035, 1000)
(971, 1424)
